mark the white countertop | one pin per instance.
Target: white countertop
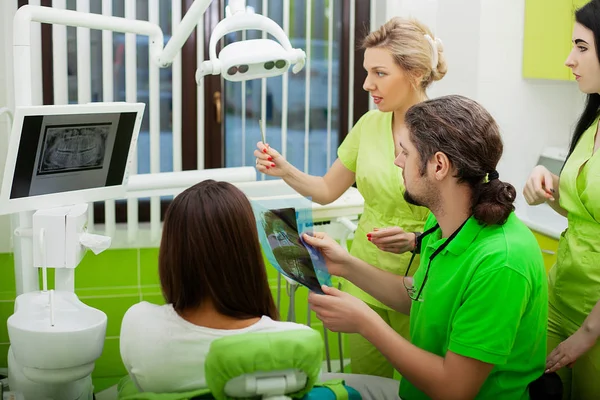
(542, 218)
(350, 204)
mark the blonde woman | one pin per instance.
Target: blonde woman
(402, 58)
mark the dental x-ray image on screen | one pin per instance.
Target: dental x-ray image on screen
(70, 148)
(280, 232)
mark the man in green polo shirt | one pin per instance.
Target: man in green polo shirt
(478, 302)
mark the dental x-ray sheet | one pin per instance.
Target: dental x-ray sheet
(281, 223)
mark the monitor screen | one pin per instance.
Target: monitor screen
(61, 154)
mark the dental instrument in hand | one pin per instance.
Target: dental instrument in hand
(262, 131)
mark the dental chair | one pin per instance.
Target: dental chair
(269, 366)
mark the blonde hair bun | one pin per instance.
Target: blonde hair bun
(406, 39)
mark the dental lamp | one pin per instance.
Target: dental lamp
(239, 61)
(250, 59)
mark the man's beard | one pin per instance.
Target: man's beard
(411, 200)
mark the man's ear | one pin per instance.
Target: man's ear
(441, 165)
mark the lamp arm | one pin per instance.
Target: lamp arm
(27, 14)
(22, 38)
(162, 57)
(236, 6)
(182, 32)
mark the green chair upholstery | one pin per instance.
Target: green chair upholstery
(270, 365)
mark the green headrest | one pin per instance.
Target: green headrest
(236, 355)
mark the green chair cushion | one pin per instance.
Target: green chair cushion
(237, 355)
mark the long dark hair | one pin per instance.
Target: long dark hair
(468, 135)
(588, 16)
(210, 251)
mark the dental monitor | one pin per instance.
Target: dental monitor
(63, 155)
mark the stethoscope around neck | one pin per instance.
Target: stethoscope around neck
(411, 290)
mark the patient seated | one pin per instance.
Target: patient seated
(165, 353)
(214, 281)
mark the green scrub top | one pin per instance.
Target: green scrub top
(485, 297)
(575, 278)
(368, 151)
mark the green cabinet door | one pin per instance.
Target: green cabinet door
(549, 247)
(547, 40)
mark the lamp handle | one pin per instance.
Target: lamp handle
(217, 102)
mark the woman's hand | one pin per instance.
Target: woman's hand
(270, 162)
(539, 186)
(341, 312)
(566, 353)
(336, 257)
(393, 240)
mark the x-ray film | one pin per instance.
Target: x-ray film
(281, 223)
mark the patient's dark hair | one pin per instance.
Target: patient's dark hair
(468, 135)
(210, 252)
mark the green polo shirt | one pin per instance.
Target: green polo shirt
(486, 297)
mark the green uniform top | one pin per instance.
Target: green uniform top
(575, 278)
(486, 298)
(368, 151)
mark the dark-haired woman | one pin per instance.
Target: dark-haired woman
(214, 281)
(574, 281)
